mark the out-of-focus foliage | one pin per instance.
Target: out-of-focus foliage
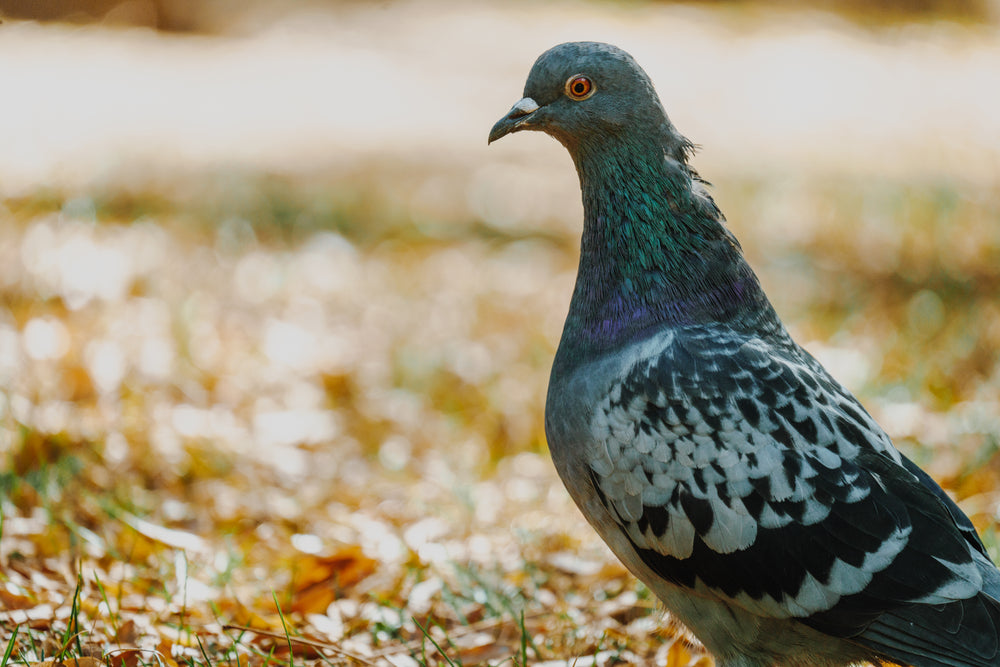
(219, 15)
(200, 420)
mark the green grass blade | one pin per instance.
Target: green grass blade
(10, 646)
(440, 650)
(284, 626)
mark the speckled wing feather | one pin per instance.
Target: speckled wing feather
(739, 465)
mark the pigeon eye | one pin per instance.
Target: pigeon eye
(579, 87)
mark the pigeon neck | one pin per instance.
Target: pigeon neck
(654, 251)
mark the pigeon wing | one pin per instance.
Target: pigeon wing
(739, 465)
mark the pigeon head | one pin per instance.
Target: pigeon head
(654, 249)
(589, 93)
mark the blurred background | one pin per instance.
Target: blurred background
(276, 325)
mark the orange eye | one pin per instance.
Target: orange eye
(579, 87)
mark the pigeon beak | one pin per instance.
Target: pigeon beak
(515, 119)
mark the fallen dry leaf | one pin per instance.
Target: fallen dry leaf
(70, 662)
(10, 600)
(322, 579)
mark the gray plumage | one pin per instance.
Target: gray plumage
(722, 463)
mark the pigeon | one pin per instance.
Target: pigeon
(720, 461)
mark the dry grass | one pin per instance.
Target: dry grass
(200, 424)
